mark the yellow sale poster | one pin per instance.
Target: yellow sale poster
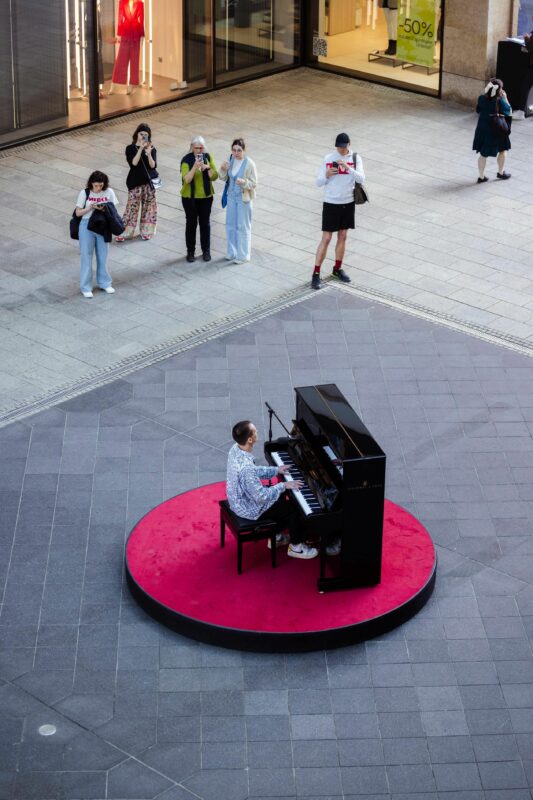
(416, 32)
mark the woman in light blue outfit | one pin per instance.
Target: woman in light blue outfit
(240, 175)
(93, 198)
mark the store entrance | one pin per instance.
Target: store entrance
(397, 42)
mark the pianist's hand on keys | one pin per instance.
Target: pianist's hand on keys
(294, 484)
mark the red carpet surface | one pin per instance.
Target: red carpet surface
(174, 555)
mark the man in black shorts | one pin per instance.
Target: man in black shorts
(339, 173)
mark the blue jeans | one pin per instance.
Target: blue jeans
(238, 226)
(89, 242)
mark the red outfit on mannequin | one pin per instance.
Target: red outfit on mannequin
(131, 31)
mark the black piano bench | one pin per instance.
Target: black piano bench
(247, 530)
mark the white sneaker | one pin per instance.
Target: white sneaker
(334, 548)
(87, 294)
(282, 539)
(109, 290)
(302, 550)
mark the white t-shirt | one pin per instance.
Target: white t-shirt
(235, 166)
(339, 188)
(96, 198)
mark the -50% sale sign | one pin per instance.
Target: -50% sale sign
(416, 32)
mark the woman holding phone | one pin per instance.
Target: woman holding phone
(198, 171)
(94, 198)
(141, 155)
(240, 174)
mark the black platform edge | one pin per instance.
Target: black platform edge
(236, 639)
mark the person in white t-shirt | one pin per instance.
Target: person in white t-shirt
(338, 174)
(94, 197)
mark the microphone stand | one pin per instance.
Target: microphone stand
(272, 413)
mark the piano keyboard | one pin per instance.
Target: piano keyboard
(305, 497)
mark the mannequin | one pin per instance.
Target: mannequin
(130, 29)
(390, 11)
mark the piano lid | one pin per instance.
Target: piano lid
(328, 414)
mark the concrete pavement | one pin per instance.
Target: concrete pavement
(430, 239)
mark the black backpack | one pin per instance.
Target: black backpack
(75, 221)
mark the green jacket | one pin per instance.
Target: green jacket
(199, 191)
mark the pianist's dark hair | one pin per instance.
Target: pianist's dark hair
(241, 431)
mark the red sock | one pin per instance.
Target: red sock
(338, 265)
(317, 269)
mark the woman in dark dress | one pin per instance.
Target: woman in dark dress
(486, 142)
(141, 206)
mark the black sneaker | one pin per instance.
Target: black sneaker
(503, 176)
(482, 180)
(207, 255)
(190, 257)
(341, 275)
(316, 283)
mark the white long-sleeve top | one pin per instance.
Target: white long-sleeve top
(339, 188)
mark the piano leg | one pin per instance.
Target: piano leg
(323, 555)
(273, 545)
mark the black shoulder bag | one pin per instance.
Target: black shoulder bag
(360, 194)
(499, 124)
(75, 220)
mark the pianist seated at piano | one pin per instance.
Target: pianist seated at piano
(248, 497)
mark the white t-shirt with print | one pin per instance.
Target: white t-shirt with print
(96, 198)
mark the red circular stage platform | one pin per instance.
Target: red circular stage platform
(181, 576)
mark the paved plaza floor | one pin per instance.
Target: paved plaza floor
(439, 709)
(430, 238)
(123, 401)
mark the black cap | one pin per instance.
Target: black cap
(342, 140)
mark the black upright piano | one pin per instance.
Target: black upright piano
(343, 468)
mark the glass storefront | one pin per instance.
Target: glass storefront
(65, 63)
(252, 36)
(397, 42)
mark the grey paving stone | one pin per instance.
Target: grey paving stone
(132, 779)
(223, 729)
(270, 755)
(324, 780)
(219, 784)
(411, 778)
(179, 729)
(312, 726)
(361, 780)
(356, 701)
(267, 728)
(360, 752)
(309, 701)
(400, 724)
(502, 775)
(277, 782)
(457, 777)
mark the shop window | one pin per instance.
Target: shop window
(43, 67)
(254, 36)
(142, 53)
(394, 41)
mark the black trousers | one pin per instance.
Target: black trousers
(197, 211)
(284, 512)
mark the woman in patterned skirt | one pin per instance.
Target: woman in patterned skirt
(141, 155)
